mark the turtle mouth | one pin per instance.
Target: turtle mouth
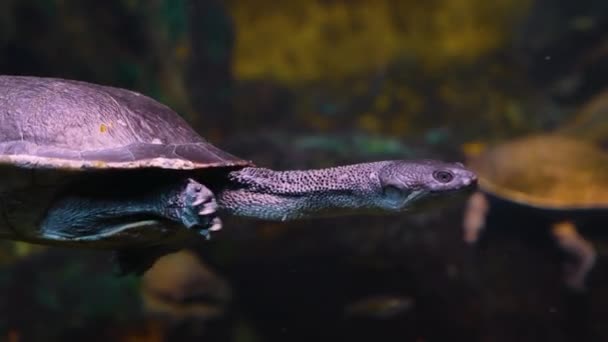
(465, 189)
(413, 198)
(468, 185)
(424, 197)
(454, 194)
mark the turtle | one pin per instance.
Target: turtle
(590, 121)
(95, 166)
(562, 178)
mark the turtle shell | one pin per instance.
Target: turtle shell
(75, 125)
(545, 171)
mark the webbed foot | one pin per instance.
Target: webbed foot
(581, 250)
(474, 219)
(196, 207)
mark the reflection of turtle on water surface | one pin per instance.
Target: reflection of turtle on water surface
(562, 176)
(101, 167)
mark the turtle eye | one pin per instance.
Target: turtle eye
(443, 176)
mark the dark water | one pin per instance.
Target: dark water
(313, 84)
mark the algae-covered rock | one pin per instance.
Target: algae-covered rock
(307, 40)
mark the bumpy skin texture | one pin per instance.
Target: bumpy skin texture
(195, 206)
(93, 215)
(141, 214)
(386, 186)
(75, 129)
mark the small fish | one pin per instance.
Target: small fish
(379, 306)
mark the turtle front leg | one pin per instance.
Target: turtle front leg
(570, 241)
(195, 206)
(475, 214)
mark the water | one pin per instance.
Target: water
(311, 84)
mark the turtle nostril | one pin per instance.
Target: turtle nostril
(471, 180)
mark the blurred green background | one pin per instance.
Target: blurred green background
(310, 83)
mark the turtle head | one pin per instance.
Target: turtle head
(377, 187)
(406, 185)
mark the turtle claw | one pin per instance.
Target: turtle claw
(209, 208)
(197, 208)
(198, 202)
(205, 233)
(216, 224)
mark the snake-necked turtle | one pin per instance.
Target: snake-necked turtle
(102, 167)
(560, 176)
